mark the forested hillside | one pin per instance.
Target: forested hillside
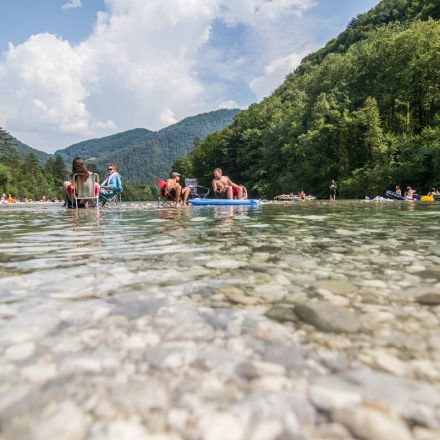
(363, 110)
(143, 155)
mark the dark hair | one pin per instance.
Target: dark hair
(79, 167)
(113, 165)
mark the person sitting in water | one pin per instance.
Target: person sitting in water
(112, 184)
(225, 186)
(285, 196)
(174, 189)
(79, 168)
(302, 195)
(409, 193)
(433, 193)
(398, 190)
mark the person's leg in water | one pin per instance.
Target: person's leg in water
(230, 193)
(178, 192)
(240, 193)
(185, 192)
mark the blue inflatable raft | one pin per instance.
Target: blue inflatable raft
(393, 195)
(224, 202)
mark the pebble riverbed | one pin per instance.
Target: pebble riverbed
(311, 320)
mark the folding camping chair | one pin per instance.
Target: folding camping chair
(194, 186)
(110, 196)
(164, 197)
(86, 190)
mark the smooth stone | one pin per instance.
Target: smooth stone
(281, 314)
(388, 362)
(20, 352)
(64, 420)
(425, 434)
(329, 398)
(267, 430)
(377, 284)
(125, 430)
(170, 357)
(270, 292)
(331, 431)
(429, 299)
(252, 369)
(328, 317)
(224, 264)
(78, 365)
(39, 372)
(340, 287)
(221, 426)
(237, 296)
(371, 424)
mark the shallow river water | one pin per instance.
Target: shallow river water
(311, 320)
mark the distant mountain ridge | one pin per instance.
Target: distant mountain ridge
(23, 150)
(144, 155)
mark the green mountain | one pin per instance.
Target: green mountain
(23, 150)
(364, 110)
(143, 155)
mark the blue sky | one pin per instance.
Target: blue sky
(72, 70)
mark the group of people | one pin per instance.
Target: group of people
(101, 191)
(221, 186)
(411, 194)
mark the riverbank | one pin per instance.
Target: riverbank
(309, 320)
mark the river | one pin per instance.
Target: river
(312, 320)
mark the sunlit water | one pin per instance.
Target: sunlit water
(97, 299)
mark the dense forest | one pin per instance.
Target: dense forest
(144, 155)
(363, 110)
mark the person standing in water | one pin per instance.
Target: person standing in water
(333, 187)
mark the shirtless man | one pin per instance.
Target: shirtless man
(174, 189)
(224, 185)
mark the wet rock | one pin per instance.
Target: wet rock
(64, 420)
(170, 357)
(39, 372)
(331, 431)
(340, 287)
(237, 296)
(425, 434)
(281, 314)
(257, 369)
(219, 426)
(371, 424)
(20, 352)
(429, 299)
(329, 398)
(328, 317)
(270, 292)
(224, 264)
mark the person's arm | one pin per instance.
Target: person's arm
(214, 186)
(231, 183)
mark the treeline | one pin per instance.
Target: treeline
(364, 110)
(26, 178)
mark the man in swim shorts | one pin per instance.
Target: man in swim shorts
(224, 185)
(173, 189)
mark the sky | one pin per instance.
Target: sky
(72, 70)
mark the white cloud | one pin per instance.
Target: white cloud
(140, 67)
(274, 74)
(72, 4)
(231, 104)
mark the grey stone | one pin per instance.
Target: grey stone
(429, 299)
(371, 424)
(328, 317)
(281, 314)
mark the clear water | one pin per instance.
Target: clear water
(79, 285)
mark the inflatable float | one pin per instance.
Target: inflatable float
(224, 202)
(393, 195)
